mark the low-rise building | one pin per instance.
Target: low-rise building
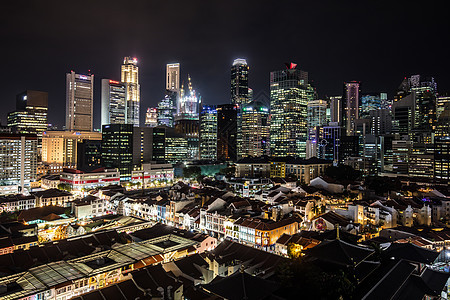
(89, 206)
(79, 181)
(50, 181)
(53, 196)
(153, 175)
(16, 202)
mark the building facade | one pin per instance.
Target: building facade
(18, 159)
(255, 129)
(350, 107)
(130, 76)
(227, 132)
(30, 116)
(117, 148)
(114, 99)
(79, 102)
(289, 95)
(208, 132)
(60, 147)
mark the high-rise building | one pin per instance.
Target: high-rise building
(289, 94)
(173, 77)
(336, 109)
(350, 107)
(130, 76)
(166, 109)
(114, 100)
(317, 115)
(370, 102)
(442, 146)
(176, 146)
(240, 95)
(151, 117)
(226, 132)
(30, 116)
(188, 103)
(381, 121)
(239, 82)
(255, 129)
(79, 102)
(89, 154)
(18, 159)
(208, 132)
(190, 129)
(60, 147)
(441, 102)
(117, 148)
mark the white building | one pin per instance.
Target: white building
(78, 181)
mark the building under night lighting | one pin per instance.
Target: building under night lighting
(113, 102)
(255, 129)
(208, 132)
(79, 102)
(130, 76)
(289, 95)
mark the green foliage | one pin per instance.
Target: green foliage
(64, 187)
(343, 172)
(192, 172)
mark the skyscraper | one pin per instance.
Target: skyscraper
(226, 132)
(239, 82)
(166, 109)
(173, 77)
(130, 76)
(30, 115)
(117, 148)
(113, 102)
(188, 103)
(350, 106)
(18, 159)
(370, 102)
(151, 117)
(239, 94)
(208, 132)
(317, 113)
(289, 94)
(79, 102)
(255, 129)
(336, 109)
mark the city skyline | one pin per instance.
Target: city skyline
(330, 62)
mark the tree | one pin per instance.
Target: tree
(192, 172)
(343, 172)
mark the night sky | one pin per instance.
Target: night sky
(375, 42)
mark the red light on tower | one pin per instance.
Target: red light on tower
(291, 65)
(113, 81)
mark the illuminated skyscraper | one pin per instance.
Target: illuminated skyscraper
(208, 132)
(166, 109)
(30, 115)
(350, 107)
(188, 103)
(173, 77)
(113, 102)
(255, 129)
(441, 102)
(371, 102)
(240, 94)
(289, 94)
(151, 117)
(317, 113)
(79, 102)
(130, 76)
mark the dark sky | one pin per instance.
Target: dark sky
(375, 42)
